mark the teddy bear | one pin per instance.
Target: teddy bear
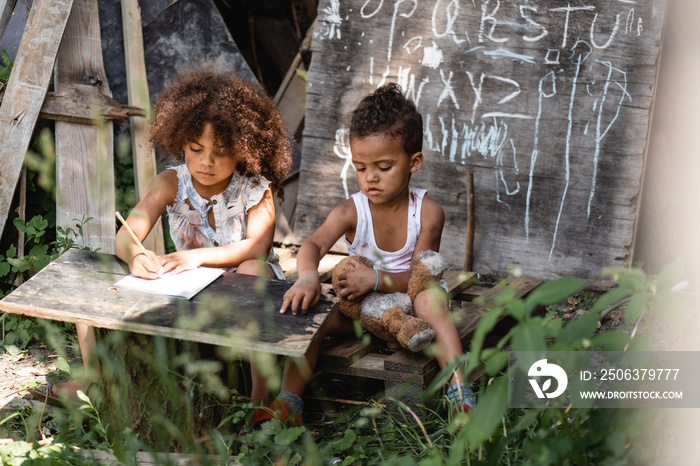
(389, 316)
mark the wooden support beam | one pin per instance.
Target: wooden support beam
(137, 88)
(6, 9)
(81, 103)
(26, 90)
(84, 154)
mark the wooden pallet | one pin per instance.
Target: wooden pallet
(406, 375)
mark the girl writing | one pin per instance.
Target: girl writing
(234, 153)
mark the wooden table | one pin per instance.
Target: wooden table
(237, 311)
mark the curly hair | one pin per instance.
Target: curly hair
(387, 111)
(246, 123)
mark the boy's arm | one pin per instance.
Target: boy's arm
(160, 192)
(432, 220)
(360, 280)
(307, 289)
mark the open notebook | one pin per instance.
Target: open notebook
(184, 284)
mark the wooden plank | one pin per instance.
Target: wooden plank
(284, 254)
(458, 281)
(144, 158)
(547, 105)
(291, 94)
(6, 9)
(522, 287)
(371, 366)
(80, 103)
(236, 311)
(26, 90)
(344, 352)
(471, 292)
(408, 362)
(84, 154)
(467, 321)
(325, 267)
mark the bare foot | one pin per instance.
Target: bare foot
(68, 387)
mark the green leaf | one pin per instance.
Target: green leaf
(20, 225)
(83, 396)
(7, 59)
(610, 298)
(496, 363)
(528, 419)
(301, 73)
(554, 291)
(632, 279)
(348, 440)
(517, 309)
(610, 341)
(62, 364)
(505, 296)
(487, 414)
(529, 336)
(4, 268)
(635, 307)
(577, 329)
(669, 276)
(616, 441)
(486, 324)
(287, 436)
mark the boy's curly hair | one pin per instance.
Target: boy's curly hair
(246, 123)
(388, 111)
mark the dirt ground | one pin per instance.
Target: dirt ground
(20, 370)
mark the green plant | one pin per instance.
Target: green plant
(5, 70)
(552, 435)
(18, 329)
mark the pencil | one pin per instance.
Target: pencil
(135, 238)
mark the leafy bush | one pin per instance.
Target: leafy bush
(490, 434)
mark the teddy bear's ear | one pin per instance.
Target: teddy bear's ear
(427, 268)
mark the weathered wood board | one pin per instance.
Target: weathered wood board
(26, 90)
(84, 153)
(236, 311)
(547, 103)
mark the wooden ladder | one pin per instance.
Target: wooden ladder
(66, 33)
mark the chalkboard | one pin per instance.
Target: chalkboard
(546, 102)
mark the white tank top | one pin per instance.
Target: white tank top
(364, 243)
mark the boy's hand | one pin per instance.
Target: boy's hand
(141, 266)
(180, 261)
(356, 282)
(304, 294)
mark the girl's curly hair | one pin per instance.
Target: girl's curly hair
(246, 123)
(387, 111)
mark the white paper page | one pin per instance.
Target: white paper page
(184, 284)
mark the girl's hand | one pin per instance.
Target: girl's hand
(142, 267)
(302, 295)
(180, 261)
(356, 282)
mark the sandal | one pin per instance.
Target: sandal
(44, 393)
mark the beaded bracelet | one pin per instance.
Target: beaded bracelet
(376, 283)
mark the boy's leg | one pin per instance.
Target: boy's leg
(431, 306)
(297, 372)
(289, 402)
